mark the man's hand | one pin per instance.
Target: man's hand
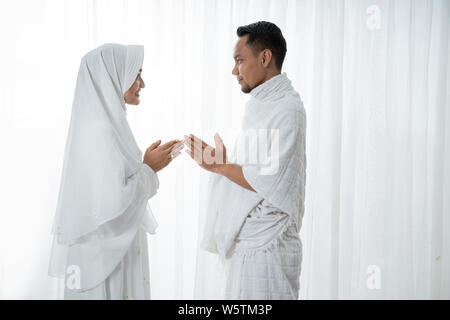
(159, 156)
(207, 157)
(215, 159)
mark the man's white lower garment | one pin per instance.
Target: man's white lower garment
(265, 262)
(128, 281)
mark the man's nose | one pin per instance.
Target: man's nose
(142, 83)
(235, 71)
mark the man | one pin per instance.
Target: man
(256, 205)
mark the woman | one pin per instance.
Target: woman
(102, 216)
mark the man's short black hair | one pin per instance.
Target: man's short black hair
(265, 35)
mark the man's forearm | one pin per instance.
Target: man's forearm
(234, 173)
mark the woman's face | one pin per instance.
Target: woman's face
(132, 95)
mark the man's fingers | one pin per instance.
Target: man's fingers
(196, 149)
(195, 140)
(194, 155)
(190, 153)
(218, 140)
(189, 142)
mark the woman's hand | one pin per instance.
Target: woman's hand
(159, 156)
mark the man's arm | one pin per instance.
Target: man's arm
(215, 159)
(234, 173)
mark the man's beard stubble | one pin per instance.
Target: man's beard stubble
(246, 88)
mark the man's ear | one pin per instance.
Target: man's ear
(266, 57)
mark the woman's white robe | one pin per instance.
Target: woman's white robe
(130, 279)
(99, 245)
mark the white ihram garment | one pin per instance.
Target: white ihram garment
(257, 232)
(100, 245)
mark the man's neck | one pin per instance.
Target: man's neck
(271, 74)
(268, 76)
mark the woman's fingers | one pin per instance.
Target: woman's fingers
(176, 148)
(169, 144)
(154, 145)
(174, 155)
(175, 152)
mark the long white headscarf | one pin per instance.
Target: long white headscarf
(101, 152)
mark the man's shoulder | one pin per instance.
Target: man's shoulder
(291, 108)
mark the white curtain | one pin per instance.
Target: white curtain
(375, 80)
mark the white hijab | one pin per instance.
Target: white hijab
(101, 152)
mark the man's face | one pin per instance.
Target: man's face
(249, 72)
